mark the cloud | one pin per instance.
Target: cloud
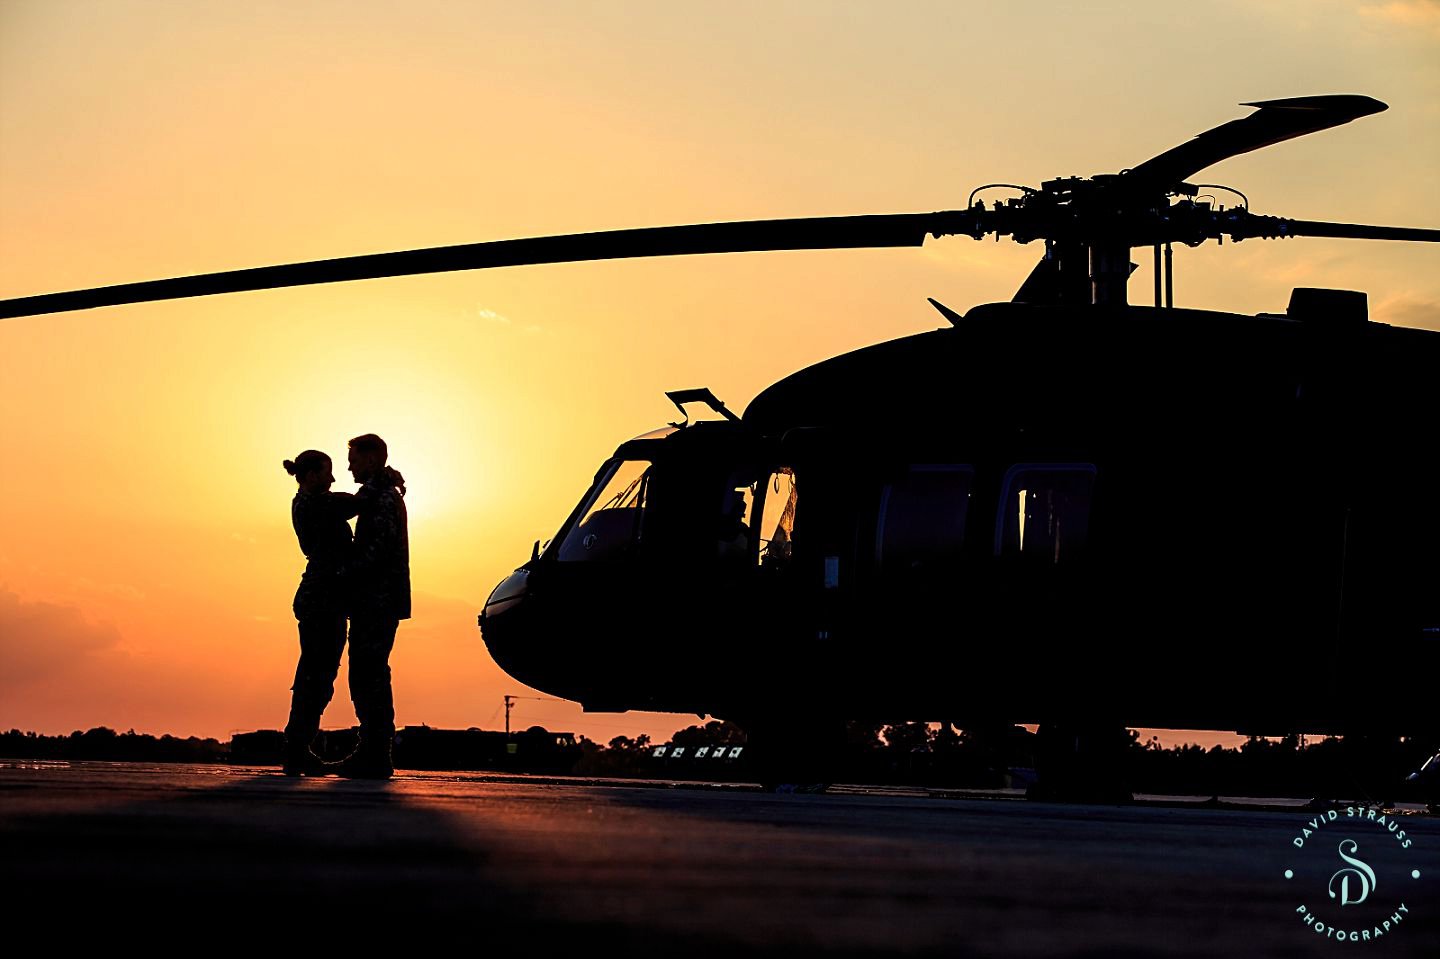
(42, 639)
(122, 591)
(1414, 14)
(500, 319)
(1408, 311)
(62, 669)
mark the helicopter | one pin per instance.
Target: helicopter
(1064, 510)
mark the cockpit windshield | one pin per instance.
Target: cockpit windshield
(613, 516)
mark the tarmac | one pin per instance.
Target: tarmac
(129, 854)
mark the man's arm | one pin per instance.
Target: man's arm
(377, 536)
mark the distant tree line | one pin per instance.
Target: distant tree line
(105, 744)
(945, 756)
(913, 753)
(1359, 767)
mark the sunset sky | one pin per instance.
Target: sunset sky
(147, 561)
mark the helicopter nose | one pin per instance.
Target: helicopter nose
(532, 639)
(509, 594)
(503, 623)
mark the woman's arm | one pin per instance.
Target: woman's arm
(346, 504)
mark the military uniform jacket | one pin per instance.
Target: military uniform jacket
(320, 525)
(379, 571)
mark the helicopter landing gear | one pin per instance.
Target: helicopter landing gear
(790, 754)
(1081, 762)
(1428, 775)
(1377, 766)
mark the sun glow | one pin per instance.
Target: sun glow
(146, 552)
(428, 463)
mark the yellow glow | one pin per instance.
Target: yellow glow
(1020, 508)
(145, 519)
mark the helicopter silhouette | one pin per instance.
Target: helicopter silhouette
(1063, 510)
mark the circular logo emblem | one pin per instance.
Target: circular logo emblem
(1353, 877)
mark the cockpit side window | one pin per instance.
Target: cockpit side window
(613, 517)
(1045, 511)
(922, 518)
(777, 517)
(737, 509)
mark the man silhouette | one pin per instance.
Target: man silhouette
(378, 585)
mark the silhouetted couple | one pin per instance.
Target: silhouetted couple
(365, 578)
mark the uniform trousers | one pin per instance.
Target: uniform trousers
(322, 639)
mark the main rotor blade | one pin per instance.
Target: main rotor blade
(807, 233)
(1273, 122)
(1360, 231)
(1272, 227)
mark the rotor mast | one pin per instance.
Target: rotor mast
(1110, 269)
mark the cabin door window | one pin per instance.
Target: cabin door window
(922, 519)
(1045, 512)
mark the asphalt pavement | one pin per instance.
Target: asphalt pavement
(112, 853)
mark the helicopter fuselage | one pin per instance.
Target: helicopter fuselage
(1162, 518)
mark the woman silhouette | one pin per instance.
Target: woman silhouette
(320, 520)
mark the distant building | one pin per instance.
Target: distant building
(535, 750)
(264, 747)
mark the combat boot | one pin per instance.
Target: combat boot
(301, 761)
(370, 760)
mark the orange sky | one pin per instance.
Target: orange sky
(146, 557)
